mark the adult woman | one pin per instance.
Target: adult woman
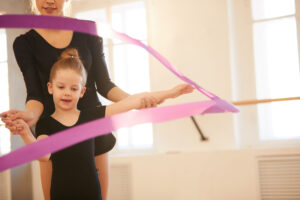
(35, 52)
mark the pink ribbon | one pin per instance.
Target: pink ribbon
(106, 125)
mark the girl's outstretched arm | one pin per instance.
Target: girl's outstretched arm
(134, 101)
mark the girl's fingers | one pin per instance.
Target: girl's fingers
(19, 127)
(16, 127)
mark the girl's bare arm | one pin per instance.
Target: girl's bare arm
(134, 101)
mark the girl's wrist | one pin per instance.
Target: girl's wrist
(25, 132)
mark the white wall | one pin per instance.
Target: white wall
(206, 175)
(194, 36)
(242, 61)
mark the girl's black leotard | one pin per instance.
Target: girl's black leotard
(74, 174)
(35, 57)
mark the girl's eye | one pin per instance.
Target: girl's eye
(61, 87)
(74, 89)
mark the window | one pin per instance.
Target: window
(4, 101)
(129, 65)
(277, 67)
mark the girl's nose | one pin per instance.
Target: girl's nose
(67, 92)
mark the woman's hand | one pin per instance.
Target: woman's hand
(11, 119)
(11, 115)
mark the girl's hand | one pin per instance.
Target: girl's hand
(180, 90)
(11, 115)
(19, 127)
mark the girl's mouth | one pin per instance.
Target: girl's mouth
(66, 100)
(49, 10)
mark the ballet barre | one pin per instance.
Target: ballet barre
(258, 101)
(243, 103)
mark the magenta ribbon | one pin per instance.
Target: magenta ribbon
(106, 125)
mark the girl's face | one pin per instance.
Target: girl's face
(66, 88)
(51, 7)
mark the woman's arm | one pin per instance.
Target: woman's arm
(105, 86)
(24, 54)
(34, 108)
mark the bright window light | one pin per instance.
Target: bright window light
(131, 67)
(276, 58)
(98, 16)
(263, 9)
(277, 71)
(130, 64)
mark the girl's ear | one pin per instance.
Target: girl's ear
(82, 92)
(50, 88)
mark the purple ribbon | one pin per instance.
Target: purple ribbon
(102, 126)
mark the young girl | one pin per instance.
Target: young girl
(36, 51)
(74, 174)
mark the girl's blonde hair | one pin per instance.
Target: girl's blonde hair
(34, 10)
(69, 59)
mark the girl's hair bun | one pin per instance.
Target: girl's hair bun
(69, 53)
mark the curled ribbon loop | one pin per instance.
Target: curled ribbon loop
(106, 125)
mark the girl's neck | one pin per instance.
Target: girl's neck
(67, 118)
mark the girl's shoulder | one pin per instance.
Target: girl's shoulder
(42, 126)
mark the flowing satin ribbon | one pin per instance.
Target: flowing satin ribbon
(102, 126)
